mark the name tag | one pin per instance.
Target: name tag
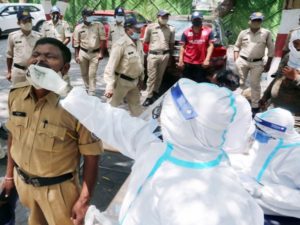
(17, 113)
(17, 42)
(130, 53)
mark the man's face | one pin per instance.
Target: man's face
(55, 16)
(297, 44)
(50, 56)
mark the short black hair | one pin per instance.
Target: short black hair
(227, 78)
(66, 53)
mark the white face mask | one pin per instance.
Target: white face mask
(120, 19)
(26, 26)
(294, 57)
(38, 71)
(163, 21)
(89, 19)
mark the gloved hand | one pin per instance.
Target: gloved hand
(94, 217)
(45, 78)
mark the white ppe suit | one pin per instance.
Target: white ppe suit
(184, 180)
(274, 176)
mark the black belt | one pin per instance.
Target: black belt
(123, 76)
(86, 50)
(159, 52)
(19, 66)
(42, 181)
(250, 60)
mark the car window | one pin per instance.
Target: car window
(102, 19)
(140, 18)
(11, 10)
(180, 27)
(31, 8)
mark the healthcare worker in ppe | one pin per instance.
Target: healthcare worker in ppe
(274, 176)
(184, 180)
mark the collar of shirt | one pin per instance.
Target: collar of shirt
(249, 31)
(59, 22)
(129, 41)
(51, 97)
(22, 34)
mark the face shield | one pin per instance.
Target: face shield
(197, 115)
(273, 124)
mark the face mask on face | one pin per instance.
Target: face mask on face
(135, 36)
(55, 17)
(88, 20)
(254, 25)
(26, 26)
(197, 23)
(120, 19)
(39, 70)
(163, 21)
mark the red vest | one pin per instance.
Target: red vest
(196, 45)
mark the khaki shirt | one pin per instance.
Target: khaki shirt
(116, 32)
(126, 58)
(159, 37)
(89, 37)
(253, 45)
(61, 30)
(20, 46)
(46, 140)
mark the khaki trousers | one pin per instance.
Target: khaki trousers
(156, 66)
(88, 66)
(48, 205)
(17, 76)
(254, 69)
(129, 90)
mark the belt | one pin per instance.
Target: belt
(123, 76)
(250, 60)
(19, 66)
(163, 52)
(86, 50)
(42, 181)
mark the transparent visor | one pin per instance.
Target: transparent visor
(260, 135)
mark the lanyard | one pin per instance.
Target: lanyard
(272, 155)
(166, 157)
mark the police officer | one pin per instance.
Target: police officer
(161, 38)
(249, 51)
(117, 29)
(125, 69)
(45, 145)
(19, 47)
(56, 27)
(89, 42)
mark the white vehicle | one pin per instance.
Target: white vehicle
(8, 16)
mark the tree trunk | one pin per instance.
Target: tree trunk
(225, 7)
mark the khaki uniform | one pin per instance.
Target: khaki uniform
(87, 38)
(160, 39)
(47, 141)
(19, 48)
(116, 32)
(251, 46)
(60, 30)
(125, 68)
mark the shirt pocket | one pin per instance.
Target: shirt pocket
(49, 136)
(154, 36)
(17, 126)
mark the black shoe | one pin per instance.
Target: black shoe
(148, 101)
(254, 111)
